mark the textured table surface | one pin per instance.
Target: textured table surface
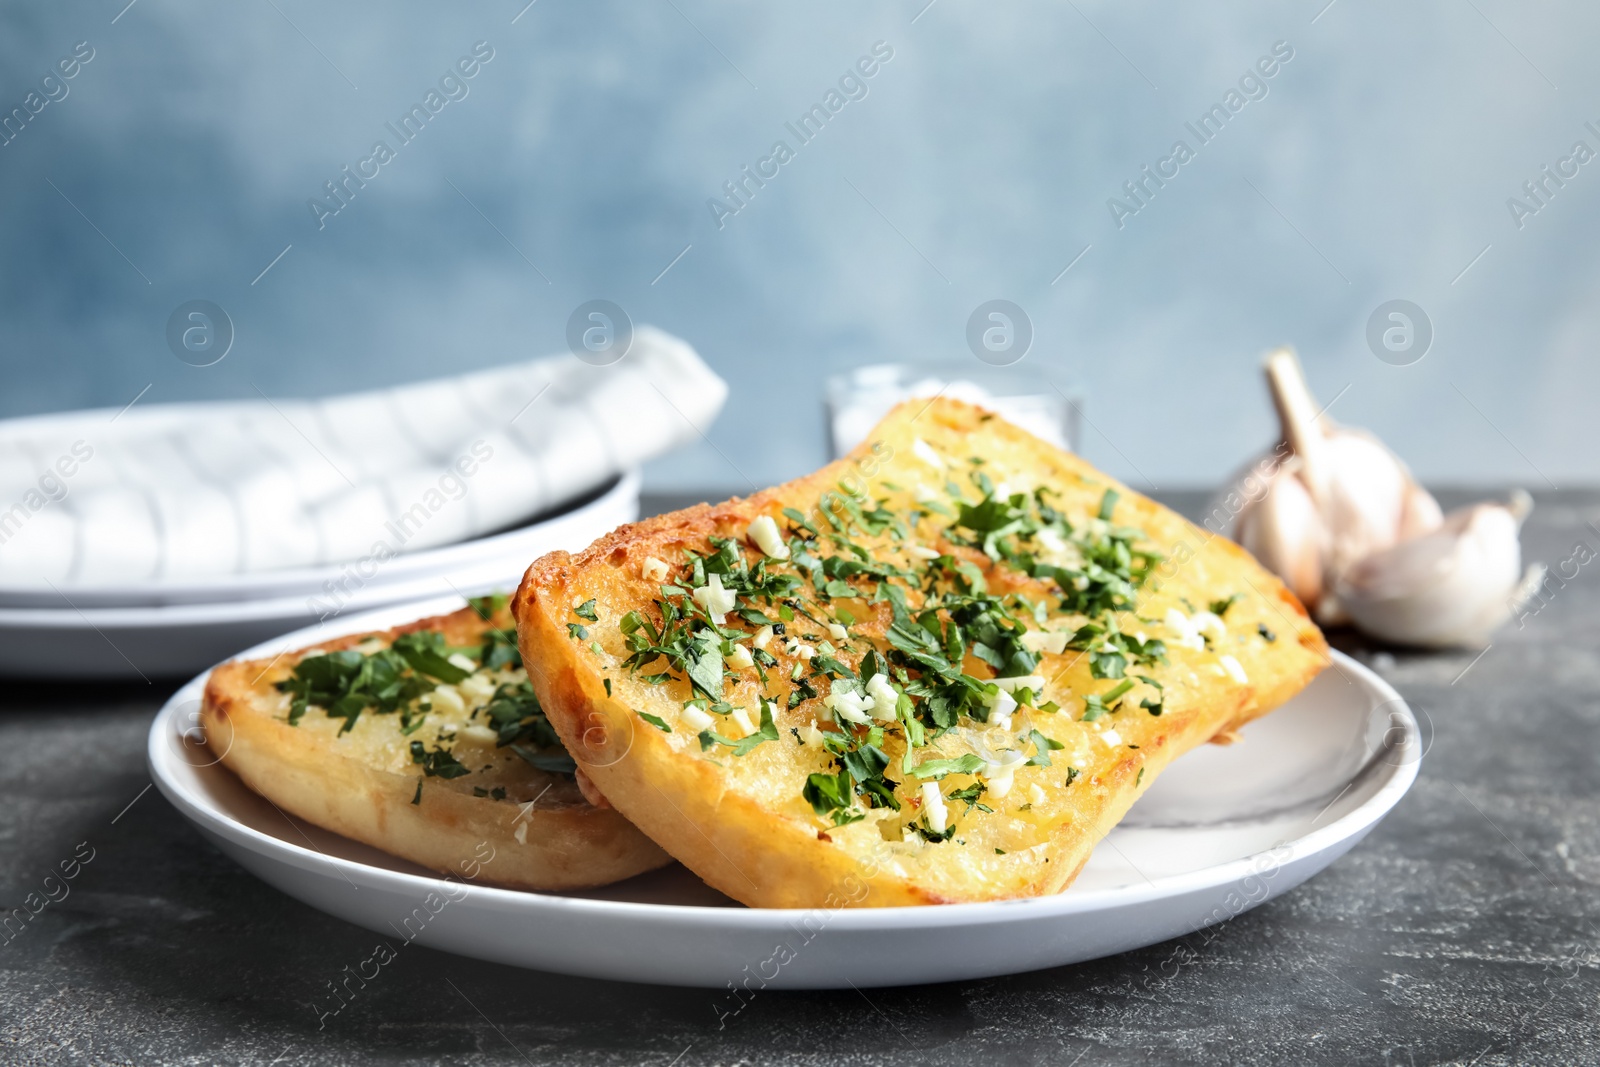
(1463, 930)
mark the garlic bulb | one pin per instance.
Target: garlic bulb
(1340, 497)
(1338, 517)
(1451, 586)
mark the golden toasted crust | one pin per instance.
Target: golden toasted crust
(362, 783)
(741, 823)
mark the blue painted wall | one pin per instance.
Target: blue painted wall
(978, 163)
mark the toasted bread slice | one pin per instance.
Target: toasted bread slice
(461, 772)
(949, 549)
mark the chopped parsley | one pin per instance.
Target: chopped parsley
(516, 717)
(1154, 707)
(932, 836)
(489, 606)
(424, 651)
(768, 731)
(1042, 747)
(969, 796)
(402, 679)
(499, 651)
(831, 796)
(912, 671)
(1219, 608)
(437, 763)
(971, 763)
(551, 761)
(346, 683)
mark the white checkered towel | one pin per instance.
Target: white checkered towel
(183, 491)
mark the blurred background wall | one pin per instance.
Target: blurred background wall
(178, 162)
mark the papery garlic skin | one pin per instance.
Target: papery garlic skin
(1283, 530)
(1372, 502)
(1449, 587)
(1421, 513)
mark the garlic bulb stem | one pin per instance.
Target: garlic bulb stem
(1520, 505)
(1297, 415)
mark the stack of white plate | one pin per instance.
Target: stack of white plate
(150, 629)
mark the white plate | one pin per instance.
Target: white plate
(530, 538)
(1221, 831)
(177, 639)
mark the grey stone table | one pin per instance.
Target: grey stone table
(1463, 930)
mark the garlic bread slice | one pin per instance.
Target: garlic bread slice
(940, 669)
(425, 741)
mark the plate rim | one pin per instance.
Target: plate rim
(1351, 826)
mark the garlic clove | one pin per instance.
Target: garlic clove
(1451, 586)
(1368, 496)
(1283, 530)
(1421, 513)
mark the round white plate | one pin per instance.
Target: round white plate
(1221, 831)
(135, 642)
(302, 582)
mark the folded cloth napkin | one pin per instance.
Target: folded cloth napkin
(186, 491)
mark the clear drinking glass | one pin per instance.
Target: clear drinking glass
(857, 399)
